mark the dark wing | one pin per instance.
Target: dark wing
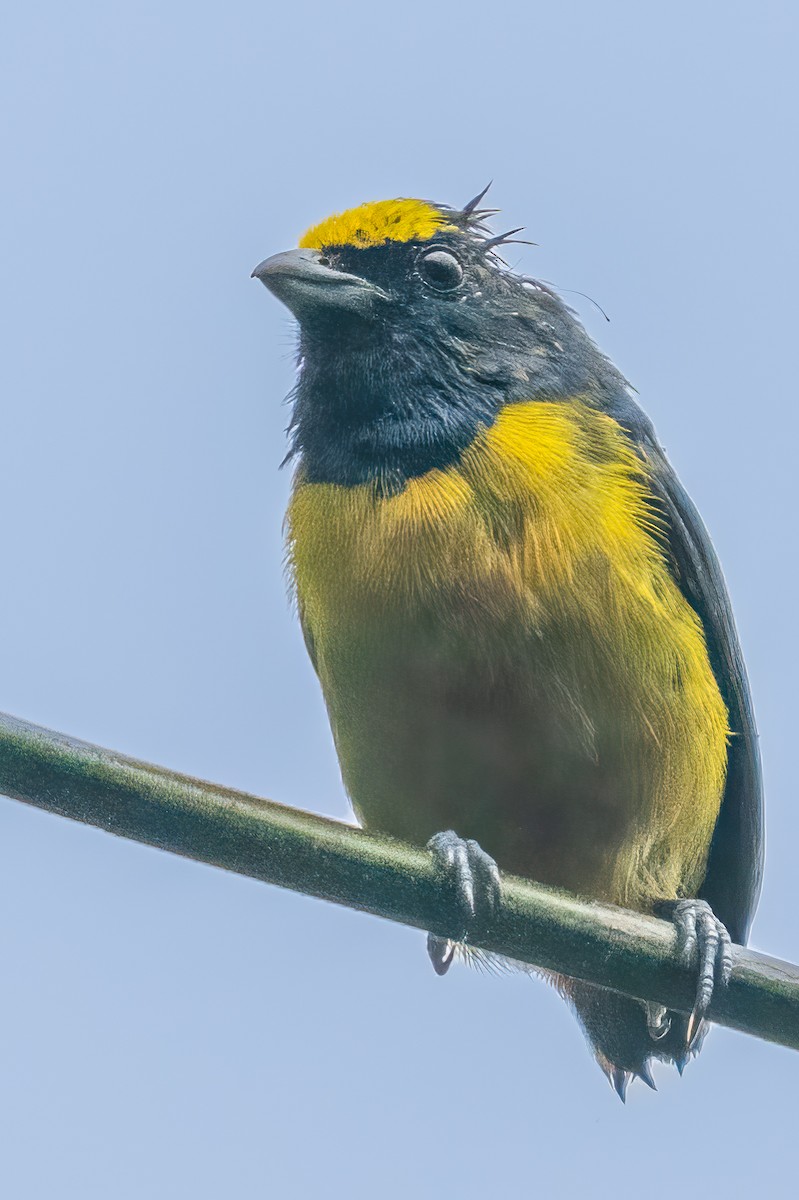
(735, 866)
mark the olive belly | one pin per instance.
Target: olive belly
(500, 753)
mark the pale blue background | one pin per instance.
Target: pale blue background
(167, 1030)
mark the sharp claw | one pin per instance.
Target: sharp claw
(442, 953)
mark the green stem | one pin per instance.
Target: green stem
(624, 950)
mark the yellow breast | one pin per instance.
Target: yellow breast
(534, 568)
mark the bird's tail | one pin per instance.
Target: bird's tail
(626, 1034)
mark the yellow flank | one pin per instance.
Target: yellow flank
(541, 547)
(376, 223)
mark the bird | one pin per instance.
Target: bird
(521, 629)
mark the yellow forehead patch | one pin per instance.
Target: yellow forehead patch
(376, 223)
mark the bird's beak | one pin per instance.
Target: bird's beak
(312, 289)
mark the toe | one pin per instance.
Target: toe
(724, 954)
(485, 873)
(471, 872)
(707, 944)
(704, 943)
(452, 856)
(685, 921)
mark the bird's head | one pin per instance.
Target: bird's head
(413, 334)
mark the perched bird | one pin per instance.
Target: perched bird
(518, 620)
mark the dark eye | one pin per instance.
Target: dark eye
(440, 270)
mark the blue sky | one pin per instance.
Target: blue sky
(171, 1030)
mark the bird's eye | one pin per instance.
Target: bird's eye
(440, 270)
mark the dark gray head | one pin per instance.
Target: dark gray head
(413, 334)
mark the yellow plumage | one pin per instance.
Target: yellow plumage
(529, 581)
(375, 223)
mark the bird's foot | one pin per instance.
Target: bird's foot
(475, 878)
(703, 943)
(658, 1021)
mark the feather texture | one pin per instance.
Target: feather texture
(503, 648)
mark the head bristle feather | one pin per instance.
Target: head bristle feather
(503, 239)
(471, 209)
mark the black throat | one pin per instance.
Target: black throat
(381, 405)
